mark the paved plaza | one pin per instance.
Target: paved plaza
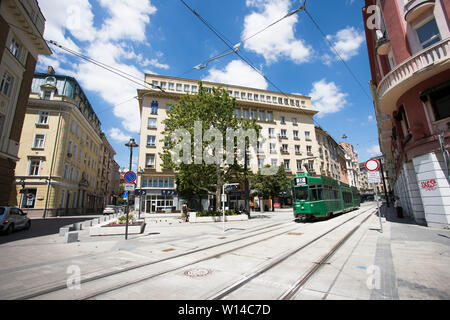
(405, 261)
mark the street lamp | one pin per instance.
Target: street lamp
(131, 144)
(224, 200)
(140, 173)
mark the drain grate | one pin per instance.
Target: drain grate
(295, 233)
(197, 273)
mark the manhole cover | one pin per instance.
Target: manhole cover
(196, 273)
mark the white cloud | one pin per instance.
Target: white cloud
(370, 118)
(326, 97)
(237, 73)
(279, 40)
(118, 136)
(374, 150)
(346, 42)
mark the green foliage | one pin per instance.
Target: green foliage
(206, 213)
(123, 219)
(270, 185)
(215, 109)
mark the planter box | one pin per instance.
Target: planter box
(194, 219)
(136, 228)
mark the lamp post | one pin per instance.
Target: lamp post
(224, 200)
(140, 173)
(131, 144)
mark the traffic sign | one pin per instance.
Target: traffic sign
(130, 177)
(130, 187)
(125, 195)
(140, 192)
(373, 177)
(372, 165)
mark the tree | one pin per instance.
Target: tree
(196, 115)
(270, 185)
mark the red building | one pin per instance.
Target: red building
(409, 50)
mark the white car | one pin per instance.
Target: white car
(12, 218)
(110, 210)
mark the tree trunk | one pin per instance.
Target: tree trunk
(219, 189)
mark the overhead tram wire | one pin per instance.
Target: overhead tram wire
(337, 53)
(255, 34)
(231, 48)
(106, 67)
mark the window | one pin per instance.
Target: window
(274, 162)
(150, 161)
(287, 164)
(230, 93)
(272, 148)
(262, 98)
(250, 96)
(154, 107)
(307, 135)
(271, 133)
(39, 141)
(47, 95)
(155, 83)
(14, 48)
(151, 123)
(179, 86)
(428, 34)
(292, 102)
(151, 141)
(256, 97)
(286, 101)
(243, 95)
(295, 134)
(34, 167)
(262, 116)
(7, 82)
(63, 196)
(69, 150)
(297, 149)
(194, 88)
(254, 114)
(171, 86)
(274, 99)
(299, 165)
(311, 165)
(268, 98)
(283, 133)
(236, 94)
(284, 148)
(66, 171)
(282, 120)
(260, 163)
(294, 120)
(186, 88)
(43, 118)
(297, 103)
(309, 150)
(245, 114)
(280, 100)
(269, 116)
(440, 102)
(163, 85)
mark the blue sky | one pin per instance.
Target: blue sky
(164, 37)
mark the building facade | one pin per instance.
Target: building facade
(332, 157)
(368, 189)
(60, 167)
(352, 164)
(21, 28)
(409, 53)
(287, 127)
(108, 172)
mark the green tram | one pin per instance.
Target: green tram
(316, 197)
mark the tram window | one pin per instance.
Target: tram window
(301, 193)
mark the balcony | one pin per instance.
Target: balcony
(411, 72)
(415, 8)
(383, 43)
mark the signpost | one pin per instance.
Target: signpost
(224, 199)
(130, 178)
(373, 176)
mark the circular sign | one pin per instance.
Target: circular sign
(30, 196)
(130, 177)
(372, 165)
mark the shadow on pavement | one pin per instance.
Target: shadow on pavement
(391, 215)
(41, 227)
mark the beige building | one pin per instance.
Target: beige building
(108, 171)
(21, 28)
(287, 127)
(330, 153)
(61, 147)
(351, 159)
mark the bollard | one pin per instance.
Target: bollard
(86, 224)
(71, 237)
(77, 226)
(63, 231)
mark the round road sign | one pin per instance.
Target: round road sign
(372, 165)
(130, 177)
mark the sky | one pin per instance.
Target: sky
(163, 37)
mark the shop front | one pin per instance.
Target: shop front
(161, 201)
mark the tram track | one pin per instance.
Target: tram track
(63, 285)
(101, 293)
(101, 289)
(283, 257)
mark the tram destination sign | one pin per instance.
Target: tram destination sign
(301, 181)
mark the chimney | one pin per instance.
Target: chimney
(51, 71)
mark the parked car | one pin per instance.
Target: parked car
(110, 210)
(12, 219)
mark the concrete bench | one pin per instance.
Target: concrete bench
(71, 237)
